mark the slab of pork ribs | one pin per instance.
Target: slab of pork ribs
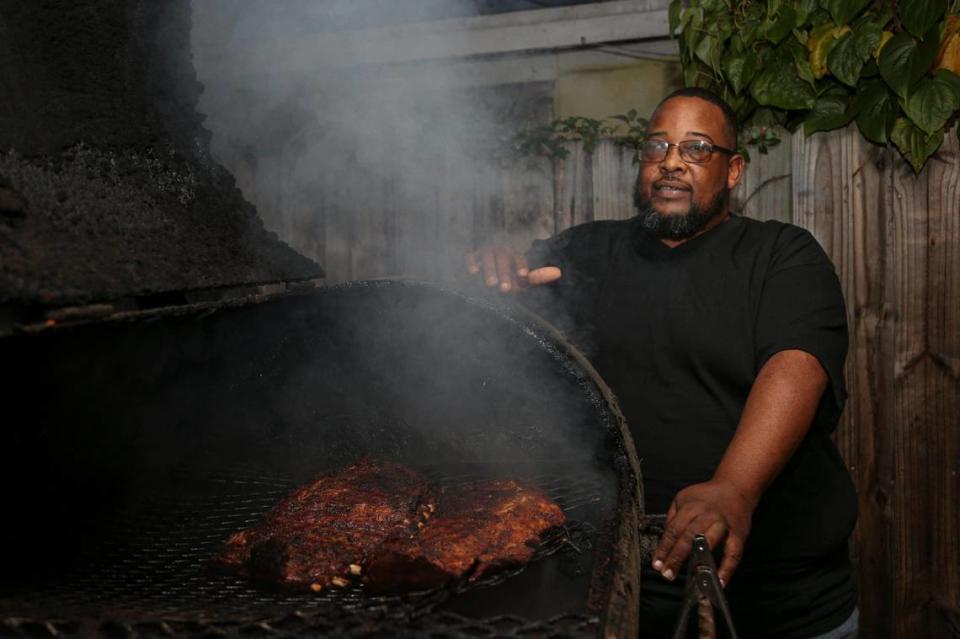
(400, 532)
(478, 529)
(321, 533)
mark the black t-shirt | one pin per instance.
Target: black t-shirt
(679, 335)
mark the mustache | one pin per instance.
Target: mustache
(677, 227)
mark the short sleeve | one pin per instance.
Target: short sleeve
(568, 303)
(801, 307)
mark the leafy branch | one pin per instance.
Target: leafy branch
(626, 130)
(551, 139)
(891, 66)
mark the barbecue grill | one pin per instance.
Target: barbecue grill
(136, 443)
(140, 443)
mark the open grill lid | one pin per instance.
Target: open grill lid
(149, 440)
(108, 194)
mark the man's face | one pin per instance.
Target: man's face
(678, 198)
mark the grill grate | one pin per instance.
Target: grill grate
(147, 575)
(300, 625)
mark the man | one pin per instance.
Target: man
(723, 339)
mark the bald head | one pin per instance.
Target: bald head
(729, 117)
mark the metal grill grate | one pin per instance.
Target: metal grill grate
(148, 576)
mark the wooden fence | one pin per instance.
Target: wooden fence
(894, 238)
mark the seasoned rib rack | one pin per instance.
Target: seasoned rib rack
(313, 537)
(374, 518)
(478, 529)
(151, 564)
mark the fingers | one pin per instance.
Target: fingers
(507, 269)
(489, 261)
(473, 263)
(506, 274)
(675, 543)
(732, 553)
(520, 260)
(544, 275)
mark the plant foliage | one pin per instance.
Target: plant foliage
(891, 66)
(628, 130)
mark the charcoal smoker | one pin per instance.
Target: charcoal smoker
(141, 444)
(170, 372)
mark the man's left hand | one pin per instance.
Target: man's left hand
(715, 509)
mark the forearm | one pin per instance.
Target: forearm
(778, 413)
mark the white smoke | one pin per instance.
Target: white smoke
(372, 169)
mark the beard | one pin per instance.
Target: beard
(677, 227)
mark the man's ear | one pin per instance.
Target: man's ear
(734, 170)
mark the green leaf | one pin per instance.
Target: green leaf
(876, 108)
(739, 70)
(802, 63)
(931, 103)
(885, 13)
(821, 41)
(691, 20)
(844, 62)
(903, 61)
(749, 31)
(804, 9)
(673, 15)
(843, 11)
(870, 69)
(708, 50)
(915, 145)
(776, 30)
(697, 74)
(830, 112)
(867, 35)
(723, 26)
(847, 58)
(798, 52)
(779, 85)
(949, 77)
(919, 16)
(820, 17)
(765, 117)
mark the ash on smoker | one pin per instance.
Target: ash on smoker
(385, 524)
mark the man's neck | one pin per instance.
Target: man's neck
(714, 222)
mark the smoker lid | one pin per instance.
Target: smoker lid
(107, 187)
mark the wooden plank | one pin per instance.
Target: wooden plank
(390, 195)
(943, 375)
(454, 214)
(911, 446)
(842, 196)
(613, 177)
(337, 226)
(574, 199)
(368, 242)
(818, 187)
(532, 201)
(765, 190)
(418, 214)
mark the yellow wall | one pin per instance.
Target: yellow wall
(599, 92)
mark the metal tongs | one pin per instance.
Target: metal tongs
(704, 591)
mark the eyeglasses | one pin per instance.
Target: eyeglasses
(692, 151)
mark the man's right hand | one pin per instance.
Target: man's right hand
(506, 269)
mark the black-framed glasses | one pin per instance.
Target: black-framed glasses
(693, 151)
